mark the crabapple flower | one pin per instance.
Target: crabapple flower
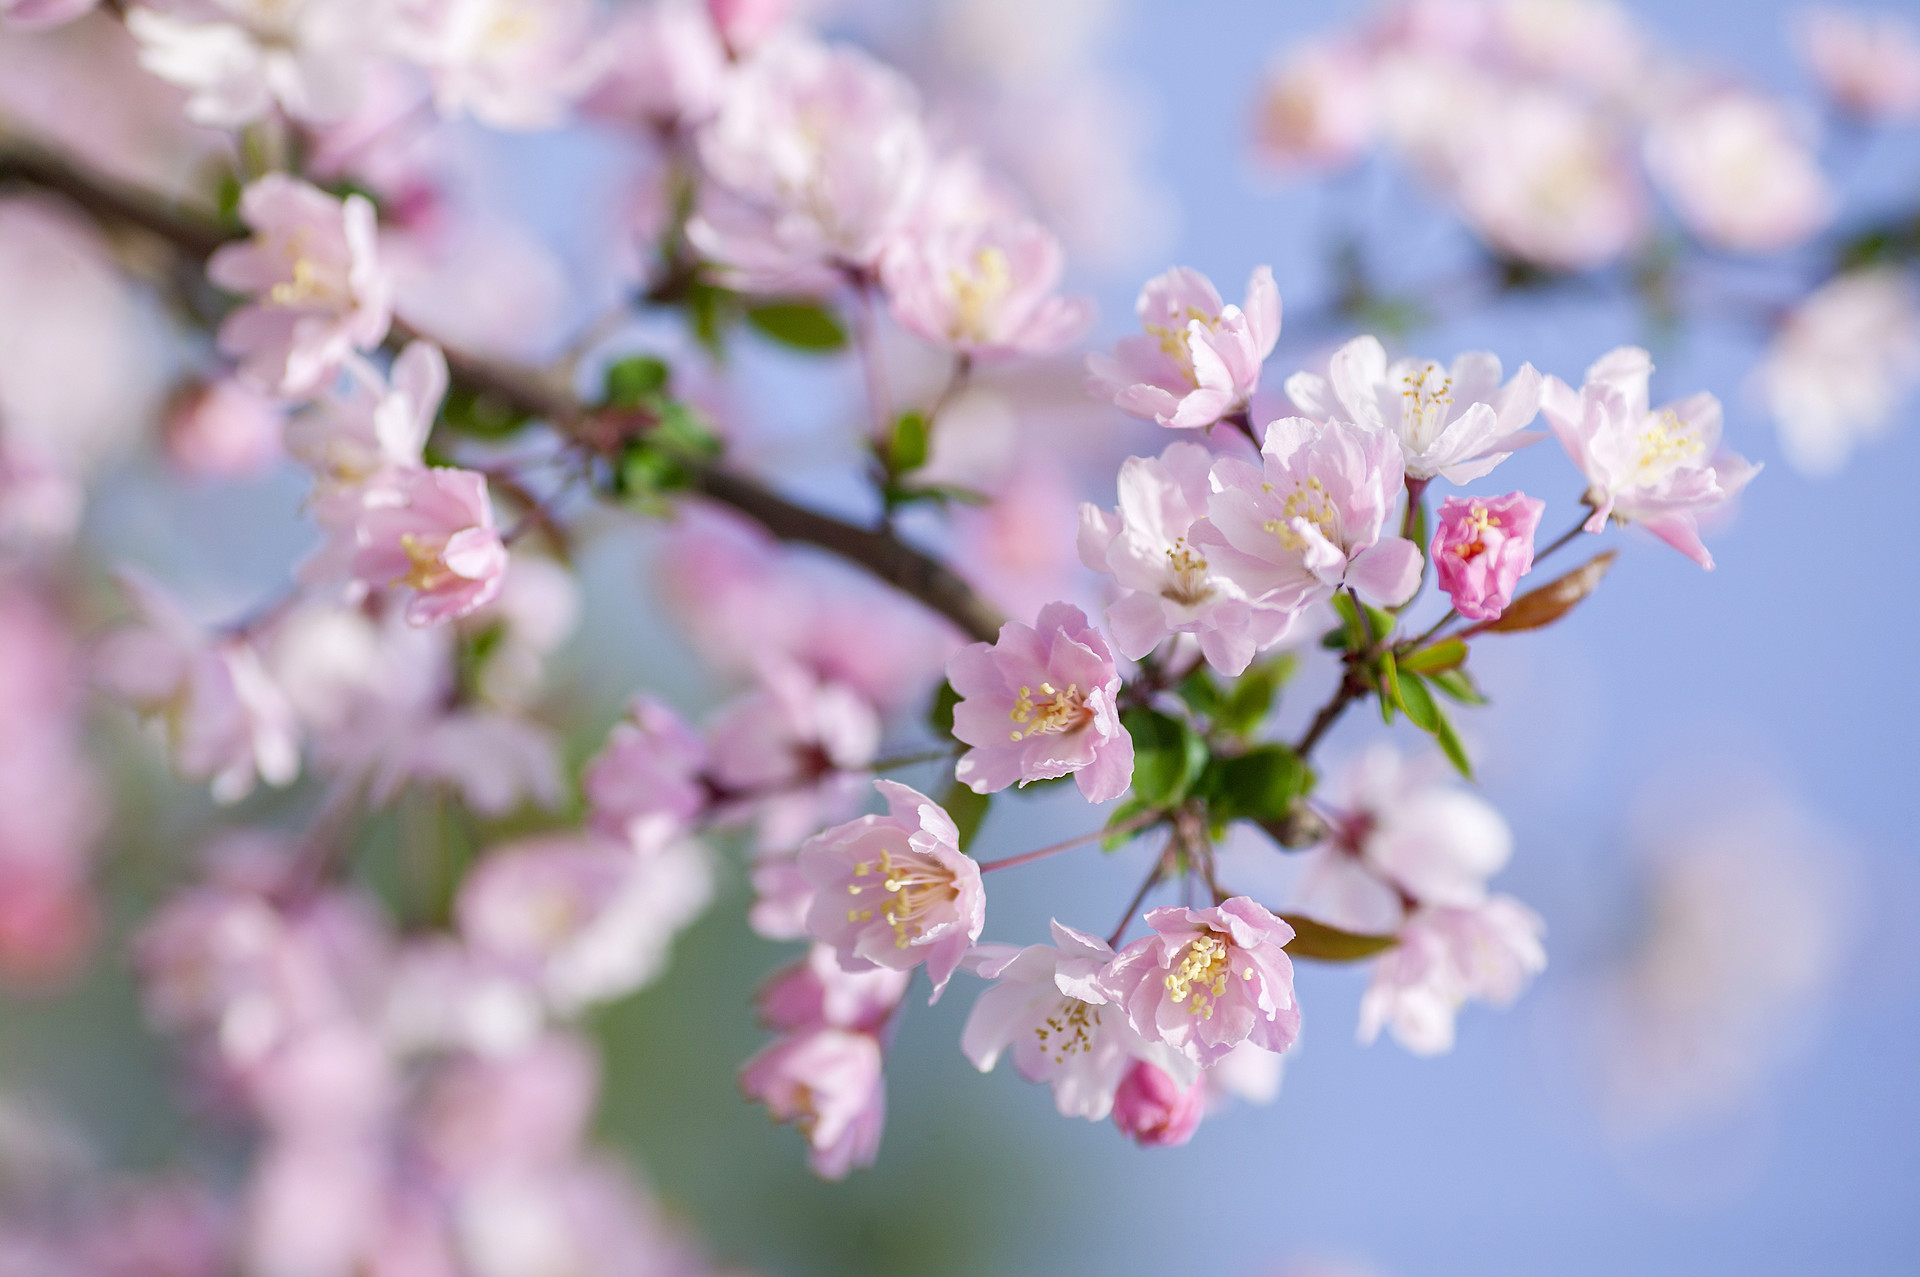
(1040, 703)
(318, 290)
(1208, 980)
(649, 767)
(225, 717)
(1738, 174)
(1154, 1110)
(1168, 586)
(373, 428)
(1483, 547)
(1660, 468)
(1867, 62)
(239, 58)
(791, 753)
(1048, 1006)
(1308, 520)
(1841, 365)
(511, 64)
(983, 288)
(432, 532)
(665, 66)
(818, 991)
(31, 15)
(1453, 423)
(1399, 836)
(829, 1083)
(1199, 359)
(817, 157)
(1316, 108)
(895, 891)
(1445, 957)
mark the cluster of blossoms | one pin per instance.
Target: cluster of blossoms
(1543, 124)
(419, 1080)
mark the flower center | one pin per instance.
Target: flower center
(1307, 501)
(1479, 523)
(1189, 584)
(429, 570)
(1666, 444)
(1426, 396)
(1176, 339)
(1053, 713)
(1201, 977)
(977, 292)
(1069, 1030)
(911, 887)
(309, 283)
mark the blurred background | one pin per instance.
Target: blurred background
(1710, 775)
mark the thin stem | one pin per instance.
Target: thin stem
(1133, 906)
(1109, 831)
(1566, 538)
(1452, 615)
(901, 761)
(956, 382)
(1350, 690)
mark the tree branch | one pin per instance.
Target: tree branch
(911, 571)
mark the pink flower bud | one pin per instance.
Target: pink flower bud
(1483, 548)
(1154, 1110)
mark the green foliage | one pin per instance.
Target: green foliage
(1447, 654)
(1411, 695)
(967, 808)
(1318, 941)
(1133, 806)
(801, 325)
(1259, 785)
(908, 449)
(1168, 756)
(480, 414)
(940, 713)
(635, 381)
(1247, 703)
(1459, 685)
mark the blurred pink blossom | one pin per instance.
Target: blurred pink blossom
(1445, 957)
(241, 58)
(650, 766)
(432, 533)
(1316, 108)
(664, 66)
(984, 288)
(224, 430)
(1738, 173)
(1481, 549)
(828, 1083)
(1867, 62)
(510, 64)
(1199, 359)
(34, 14)
(817, 991)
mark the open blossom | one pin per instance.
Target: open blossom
(432, 533)
(829, 1083)
(1049, 1007)
(1843, 362)
(650, 766)
(1400, 835)
(894, 890)
(511, 64)
(225, 717)
(792, 753)
(1208, 980)
(1445, 957)
(1737, 173)
(817, 991)
(1658, 467)
(1199, 359)
(315, 279)
(1155, 1110)
(1308, 520)
(1453, 423)
(1483, 547)
(817, 157)
(369, 428)
(1316, 108)
(983, 288)
(665, 65)
(1040, 703)
(1867, 62)
(1168, 586)
(239, 58)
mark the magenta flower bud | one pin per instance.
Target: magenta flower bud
(1483, 548)
(1154, 1110)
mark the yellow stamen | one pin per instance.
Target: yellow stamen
(1054, 712)
(1201, 977)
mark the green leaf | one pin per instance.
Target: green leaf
(1418, 532)
(681, 431)
(967, 808)
(645, 471)
(1544, 606)
(1200, 692)
(633, 380)
(799, 324)
(1388, 686)
(1459, 685)
(1450, 745)
(1167, 756)
(1411, 694)
(1447, 654)
(1250, 700)
(711, 310)
(1259, 785)
(940, 713)
(477, 413)
(909, 448)
(1357, 638)
(1321, 943)
(1382, 621)
(1126, 811)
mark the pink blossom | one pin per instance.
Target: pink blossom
(1168, 585)
(510, 64)
(650, 766)
(1445, 957)
(1594, 44)
(1049, 1007)
(1738, 173)
(224, 430)
(1401, 835)
(1316, 108)
(818, 991)
(1042, 702)
(1309, 520)
(746, 23)
(1155, 1111)
(1661, 468)
(317, 286)
(225, 717)
(792, 754)
(1199, 360)
(432, 532)
(828, 1083)
(240, 58)
(526, 1109)
(373, 427)
(894, 891)
(1453, 423)
(1483, 546)
(1841, 365)
(817, 157)
(665, 66)
(31, 15)
(983, 287)
(1867, 62)
(1208, 980)
(782, 897)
